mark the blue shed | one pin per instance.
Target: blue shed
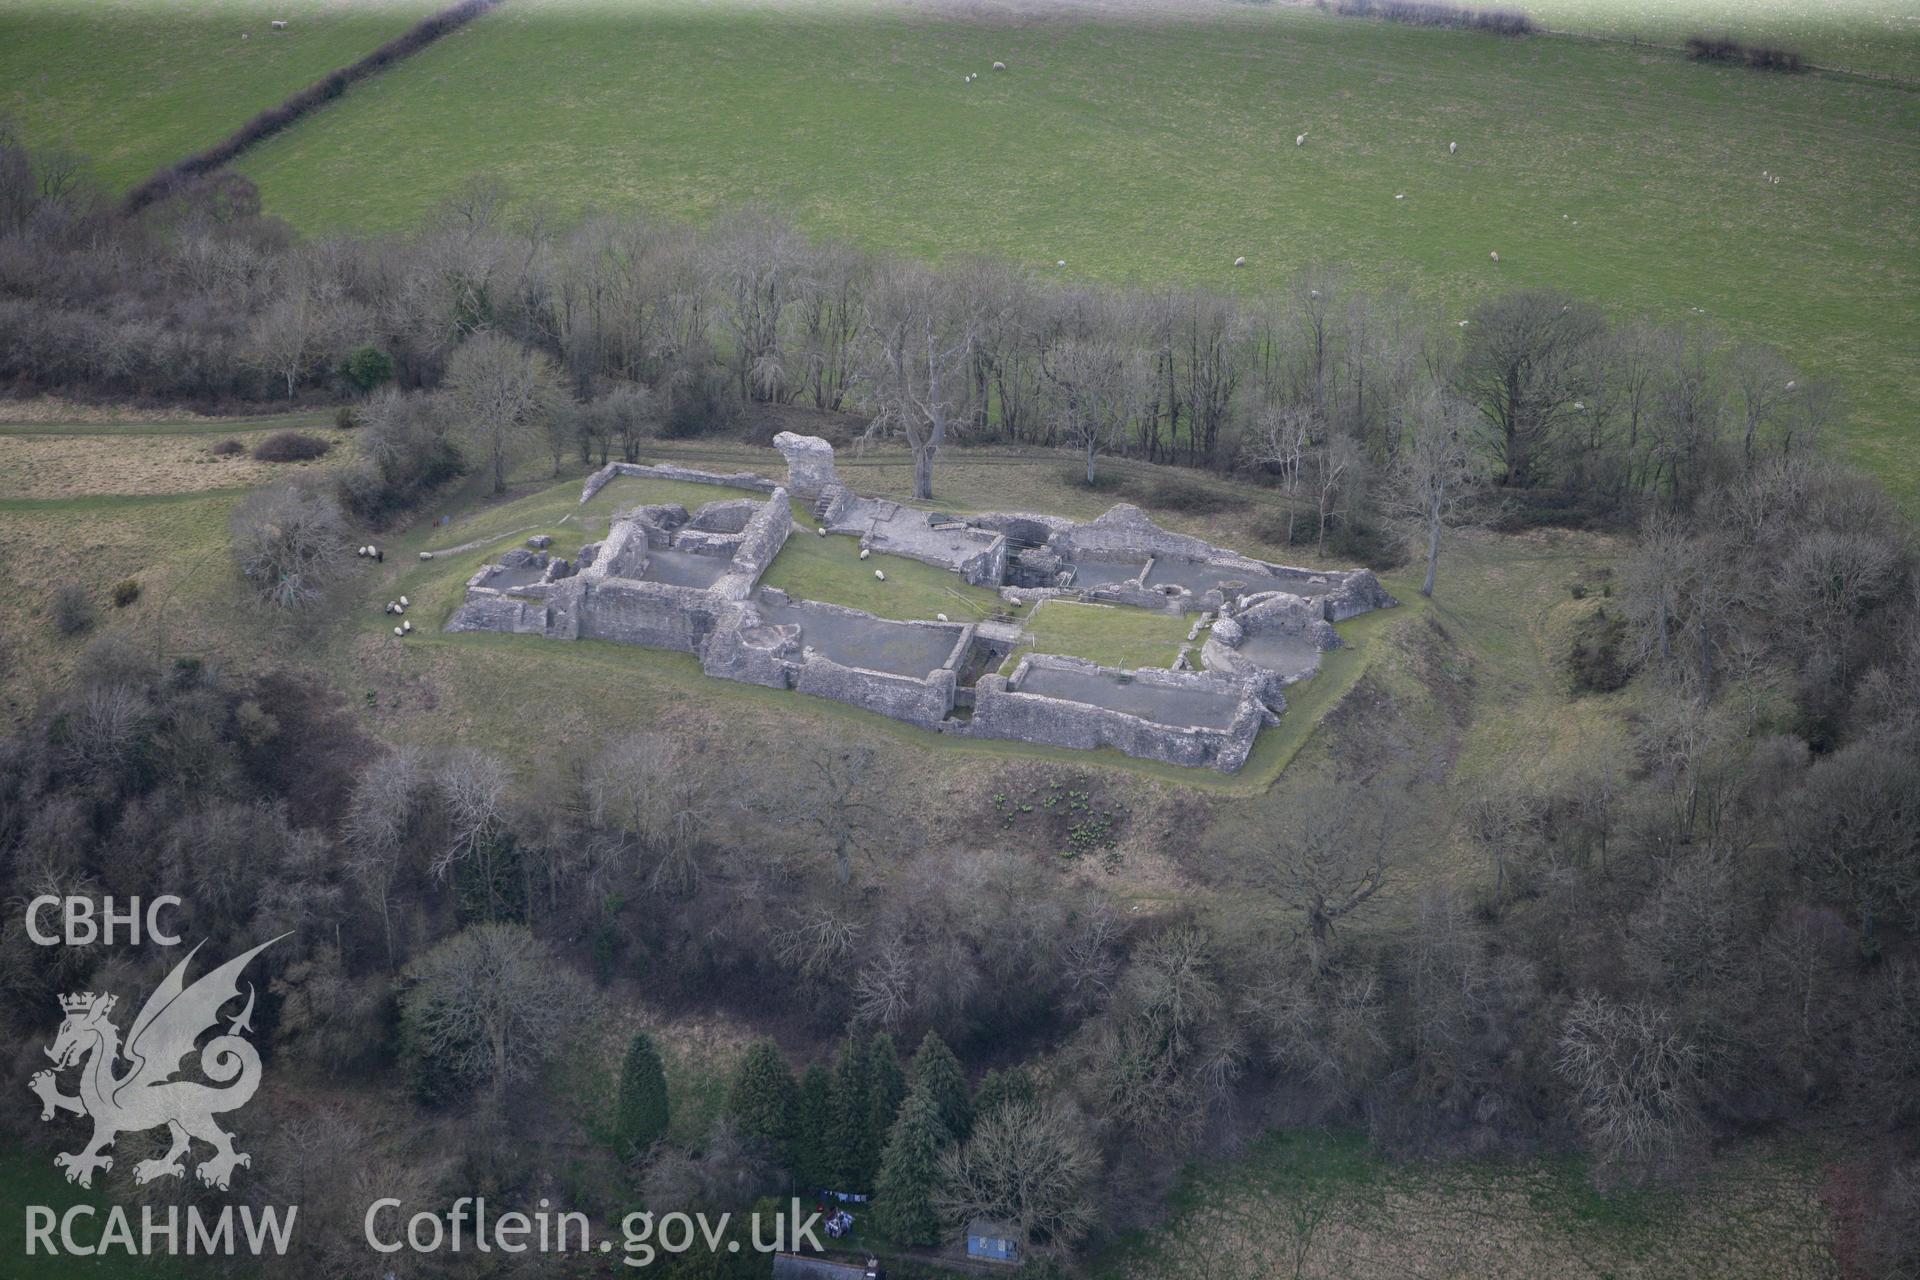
(991, 1241)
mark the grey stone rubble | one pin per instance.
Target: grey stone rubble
(672, 579)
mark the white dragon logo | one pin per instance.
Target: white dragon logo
(146, 1096)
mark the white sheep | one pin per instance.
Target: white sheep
(397, 631)
(1401, 196)
(1453, 148)
(999, 66)
(864, 553)
(1061, 263)
(426, 555)
(1300, 140)
(879, 575)
(1792, 383)
(1463, 324)
(822, 531)
(1495, 255)
(404, 602)
(1239, 262)
(406, 626)
(279, 24)
(1313, 293)
(940, 617)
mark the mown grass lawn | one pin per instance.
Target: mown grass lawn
(830, 569)
(1159, 150)
(1111, 635)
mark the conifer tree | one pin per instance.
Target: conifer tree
(640, 1114)
(935, 1066)
(810, 1155)
(763, 1096)
(851, 1112)
(886, 1089)
(909, 1171)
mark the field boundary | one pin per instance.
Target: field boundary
(299, 106)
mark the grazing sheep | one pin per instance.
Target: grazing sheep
(1791, 384)
(1495, 255)
(864, 553)
(1453, 148)
(426, 555)
(1401, 196)
(1300, 140)
(939, 617)
(1313, 293)
(822, 531)
(243, 35)
(279, 24)
(1463, 324)
(880, 575)
(397, 631)
(1239, 262)
(1061, 263)
(407, 625)
(999, 66)
(404, 602)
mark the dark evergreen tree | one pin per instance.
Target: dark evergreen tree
(764, 1096)
(935, 1067)
(640, 1115)
(910, 1170)
(886, 1089)
(810, 1155)
(851, 1112)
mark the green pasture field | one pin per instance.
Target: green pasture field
(1159, 150)
(134, 85)
(1875, 37)
(1149, 148)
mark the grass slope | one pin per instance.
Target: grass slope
(1322, 1205)
(1159, 150)
(133, 85)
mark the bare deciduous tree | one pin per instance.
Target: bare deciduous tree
(919, 339)
(290, 542)
(1435, 474)
(499, 393)
(1330, 859)
(1521, 367)
(1636, 1080)
(491, 1005)
(1027, 1164)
